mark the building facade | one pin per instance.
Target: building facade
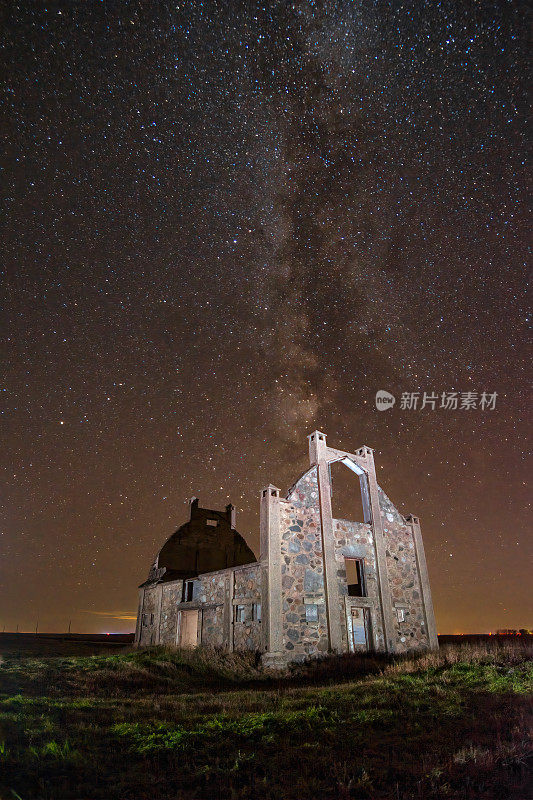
(320, 585)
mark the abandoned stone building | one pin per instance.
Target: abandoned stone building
(320, 585)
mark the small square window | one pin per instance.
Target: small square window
(240, 613)
(257, 612)
(311, 612)
(401, 614)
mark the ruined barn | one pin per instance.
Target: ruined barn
(321, 584)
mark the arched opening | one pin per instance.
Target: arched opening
(348, 492)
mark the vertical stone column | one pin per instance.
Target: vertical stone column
(423, 575)
(270, 558)
(387, 611)
(318, 456)
(229, 591)
(138, 628)
(158, 617)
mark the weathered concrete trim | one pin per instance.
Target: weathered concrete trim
(389, 630)
(333, 454)
(246, 601)
(359, 602)
(374, 613)
(423, 575)
(264, 606)
(178, 627)
(365, 497)
(158, 619)
(317, 447)
(228, 609)
(199, 627)
(271, 548)
(331, 585)
(140, 607)
(227, 570)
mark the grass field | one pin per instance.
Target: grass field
(167, 724)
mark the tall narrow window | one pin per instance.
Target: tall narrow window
(256, 612)
(355, 577)
(240, 614)
(188, 591)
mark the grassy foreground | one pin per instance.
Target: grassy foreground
(167, 724)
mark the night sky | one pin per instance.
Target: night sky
(228, 224)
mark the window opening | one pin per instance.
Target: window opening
(355, 577)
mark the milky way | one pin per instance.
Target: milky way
(228, 224)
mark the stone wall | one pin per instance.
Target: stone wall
(403, 576)
(149, 613)
(213, 629)
(213, 587)
(247, 592)
(247, 583)
(302, 570)
(172, 593)
(216, 606)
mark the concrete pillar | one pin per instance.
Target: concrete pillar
(229, 592)
(387, 611)
(158, 614)
(317, 447)
(138, 627)
(231, 515)
(318, 457)
(423, 575)
(270, 558)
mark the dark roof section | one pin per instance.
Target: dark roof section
(207, 542)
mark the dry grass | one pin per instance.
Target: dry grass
(165, 724)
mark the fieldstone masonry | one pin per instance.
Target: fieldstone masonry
(300, 599)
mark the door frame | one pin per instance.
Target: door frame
(181, 611)
(367, 610)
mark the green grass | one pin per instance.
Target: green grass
(165, 724)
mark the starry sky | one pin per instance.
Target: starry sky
(227, 224)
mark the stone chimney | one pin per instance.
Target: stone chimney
(193, 503)
(231, 515)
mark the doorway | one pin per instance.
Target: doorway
(359, 634)
(188, 628)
